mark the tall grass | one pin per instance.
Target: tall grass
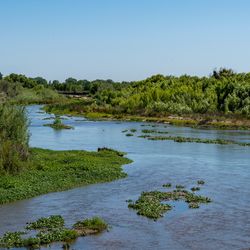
(14, 138)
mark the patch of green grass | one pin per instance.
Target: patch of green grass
(150, 131)
(57, 124)
(51, 171)
(150, 204)
(195, 189)
(129, 134)
(196, 140)
(52, 229)
(133, 130)
(96, 224)
(167, 185)
(51, 222)
(200, 182)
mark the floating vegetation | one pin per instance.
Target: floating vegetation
(57, 124)
(149, 131)
(54, 221)
(179, 187)
(52, 229)
(167, 185)
(124, 131)
(129, 134)
(196, 140)
(150, 204)
(53, 171)
(90, 226)
(195, 189)
(201, 182)
(49, 118)
(144, 136)
(133, 130)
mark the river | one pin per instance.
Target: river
(222, 224)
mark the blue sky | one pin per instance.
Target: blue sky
(123, 39)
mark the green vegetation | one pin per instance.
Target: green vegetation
(181, 139)
(52, 229)
(221, 100)
(14, 139)
(50, 171)
(54, 221)
(149, 131)
(93, 225)
(200, 182)
(133, 130)
(167, 185)
(153, 204)
(129, 134)
(195, 189)
(20, 89)
(57, 124)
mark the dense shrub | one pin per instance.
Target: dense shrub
(14, 138)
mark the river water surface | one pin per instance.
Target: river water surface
(222, 224)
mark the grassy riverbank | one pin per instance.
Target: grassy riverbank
(84, 108)
(51, 171)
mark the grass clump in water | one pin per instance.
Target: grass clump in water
(133, 130)
(57, 124)
(150, 131)
(150, 204)
(90, 226)
(52, 229)
(195, 189)
(54, 221)
(167, 185)
(129, 134)
(181, 139)
(200, 182)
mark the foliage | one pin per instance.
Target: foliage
(51, 171)
(14, 138)
(181, 139)
(153, 204)
(95, 223)
(52, 229)
(54, 221)
(57, 124)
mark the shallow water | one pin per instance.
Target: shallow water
(222, 224)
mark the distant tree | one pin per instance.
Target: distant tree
(1, 76)
(40, 80)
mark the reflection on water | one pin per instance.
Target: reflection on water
(223, 224)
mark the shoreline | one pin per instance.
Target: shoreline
(195, 120)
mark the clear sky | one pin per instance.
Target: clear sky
(123, 39)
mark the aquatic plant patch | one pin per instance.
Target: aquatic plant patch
(154, 204)
(51, 171)
(153, 131)
(129, 134)
(181, 139)
(52, 229)
(58, 126)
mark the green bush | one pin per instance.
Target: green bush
(14, 138)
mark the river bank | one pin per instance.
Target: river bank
(51, 171)
(206, 121)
